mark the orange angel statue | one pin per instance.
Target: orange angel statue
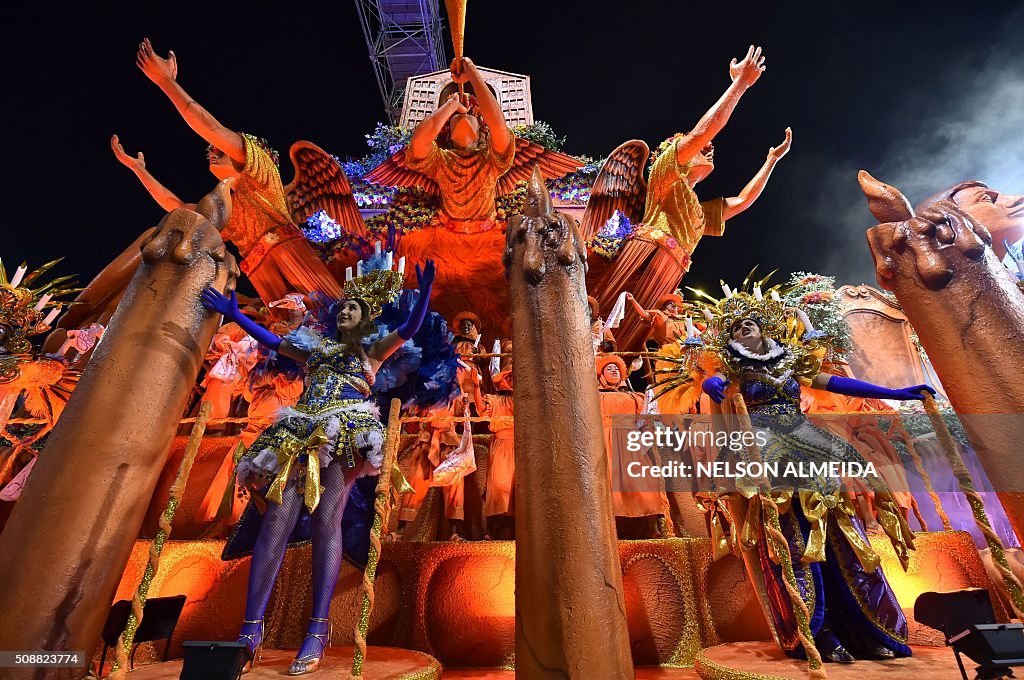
(465, 154)
(277, 258)
(669, 217)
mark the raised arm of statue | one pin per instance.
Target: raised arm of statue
(744, 74)
(466, 71)
(430, 127)
(751, 192)
(166, 198)
(164, 74)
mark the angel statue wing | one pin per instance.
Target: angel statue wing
(394, 172)
(552, 165)
(320, 184)
(619, 186)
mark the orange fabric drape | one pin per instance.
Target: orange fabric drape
(646, 270)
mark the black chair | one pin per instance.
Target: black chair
(159, 617)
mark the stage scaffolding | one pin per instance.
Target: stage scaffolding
(404, 40)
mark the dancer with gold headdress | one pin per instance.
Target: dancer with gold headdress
(307, 461)
(758, 344)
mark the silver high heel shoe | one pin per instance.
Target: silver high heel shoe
(309, 663)
(255, 646)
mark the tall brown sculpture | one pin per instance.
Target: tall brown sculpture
(969, 314)
(65, 546)
(570, 613)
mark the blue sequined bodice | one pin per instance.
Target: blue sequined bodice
(757, 392)
(335, 375)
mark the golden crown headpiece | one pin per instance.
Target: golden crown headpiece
(27, 309)
(764, 307)
(377, 281)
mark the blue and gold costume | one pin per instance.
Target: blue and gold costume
(335, 418)
(837, 572)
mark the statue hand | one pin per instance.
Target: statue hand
(156, 68)
(134, 163)
(749, 69)
(777, 152)
(461, 69)
(455, 100)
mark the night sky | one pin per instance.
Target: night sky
(920, 100)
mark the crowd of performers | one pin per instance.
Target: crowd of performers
(307, 363)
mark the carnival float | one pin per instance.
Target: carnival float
(410, 454)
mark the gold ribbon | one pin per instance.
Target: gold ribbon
(895, 526)
(287, 454)
(720, 521)
(817, 508)
(754, 520)
(398, 481)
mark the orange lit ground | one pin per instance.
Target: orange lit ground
(764, 661)
(382, 663)
(455, 601)
(641, 674)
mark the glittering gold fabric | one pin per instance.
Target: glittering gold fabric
(673, 216)
(468, 179)
(259, 206)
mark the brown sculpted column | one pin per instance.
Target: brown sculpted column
(65, 546)
(969, 314)
(570, 616)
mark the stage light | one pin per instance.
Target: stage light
(967, 620)
(214, 660)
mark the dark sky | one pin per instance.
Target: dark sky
(921, 99)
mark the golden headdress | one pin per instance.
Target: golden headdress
(26, 309)
(787, 326)
(376, 283)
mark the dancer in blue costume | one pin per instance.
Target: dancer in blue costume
(771, 352)
(305, 464)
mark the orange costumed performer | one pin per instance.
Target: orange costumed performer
(501, 471)
(436, 440)
(673, 220)
(637, 509)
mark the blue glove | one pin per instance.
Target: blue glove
(859, 388)
(215, 302)
(424, 281)
(714, 387)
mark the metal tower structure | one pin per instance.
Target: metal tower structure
(404, 40)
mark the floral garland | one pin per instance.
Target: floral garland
(612, 236)
(816, 295)
(575, 187)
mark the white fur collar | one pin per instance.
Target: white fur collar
(775, 350)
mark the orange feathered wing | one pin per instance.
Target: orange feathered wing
(321, 184)
(394, 172)
(619, 186)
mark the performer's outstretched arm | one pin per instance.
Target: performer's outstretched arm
(744, 74)
(857, 388)
(387, 345)
(751, 192)
(430, 127)
(489, 108)
(228, 306)
(644, 314)
(164, 73)
(166, 198)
